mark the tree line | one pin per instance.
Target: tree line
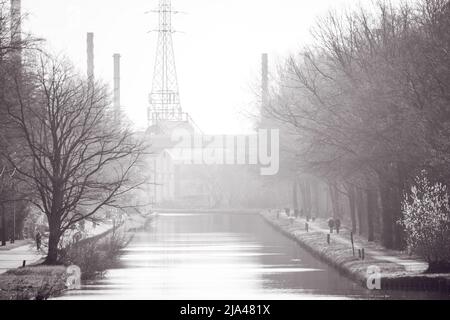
(365, 109)
(62, 150)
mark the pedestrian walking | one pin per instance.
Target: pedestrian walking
(331, 224)
(337, 224)
(38, 241)
(287, 211)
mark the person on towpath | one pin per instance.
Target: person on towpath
(38, 241)
(331, 224)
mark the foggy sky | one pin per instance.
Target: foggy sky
(218, 55)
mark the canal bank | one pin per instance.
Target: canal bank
(367, 263)
(40, 282)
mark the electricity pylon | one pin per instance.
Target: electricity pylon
(165, 97)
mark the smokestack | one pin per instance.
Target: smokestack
(264, 82)
(117, 84)
(90, 55)
(16, 28)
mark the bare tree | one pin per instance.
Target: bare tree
(369, 99)
(74, 158)
(13, 42)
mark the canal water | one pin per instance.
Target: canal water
(221, 256)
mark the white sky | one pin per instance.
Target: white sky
(217, 56)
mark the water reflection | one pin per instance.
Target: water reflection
(225, 257)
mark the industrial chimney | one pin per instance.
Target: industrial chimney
(264, 83)
(16, 28)
(117, 106)
(90, 56)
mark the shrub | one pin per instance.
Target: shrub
(426, 218)
(94, 257)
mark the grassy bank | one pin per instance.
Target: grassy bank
(398, 271)
(33, 283)
(93, 256)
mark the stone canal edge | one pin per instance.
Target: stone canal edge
(395, 271)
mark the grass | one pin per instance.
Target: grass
(32, 283)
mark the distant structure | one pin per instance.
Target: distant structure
(90, 56)
(265, 79)
(165, 97)
(170, 181)
(264, 87)
(16, 29)
(117, 105)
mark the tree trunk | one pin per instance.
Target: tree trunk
(334, 200)
(307, 198)
(361, 210)
(2, 208)
(352, 204)
(53, 241)
(54, 224)
(371, 204)
(399, 232)
(295, 197)
(315, 195)
(303, 197)
(387, 232)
